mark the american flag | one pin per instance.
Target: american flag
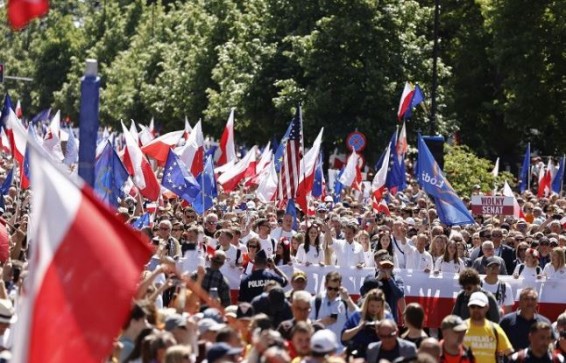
(289, 174)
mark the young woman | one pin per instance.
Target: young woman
(556, 269)
(438, 246)
(450, 262)
(530, 270)
(384, 243)
(253, 248)
(363, 239)
(359, 331)
(283, 252)
(414, 318)
(311, 252)
(463, 253)
(296, 241)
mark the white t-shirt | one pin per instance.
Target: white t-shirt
(422, 261)
(368, 257)
(348, 254)
(191, 261)
(404, 253)
(551, 273)
(247, 237)
(329, 307)
(267, 246)
(312, 257)
(506, 295)
(443, 266)
(278, 232)
(528, 273)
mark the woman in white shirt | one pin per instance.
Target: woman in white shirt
(311, 252)
(450, 262)
(556, 269)
(530, 270)
(363, 239)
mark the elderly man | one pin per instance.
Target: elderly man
(518, 323)
(452, 347)
(480, 263)
(402, 249)
(172, 246)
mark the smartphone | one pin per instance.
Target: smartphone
(334, 316)
(214, 293)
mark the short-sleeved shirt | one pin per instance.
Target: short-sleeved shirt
(348, 254)
(502, 291)
(484, 343)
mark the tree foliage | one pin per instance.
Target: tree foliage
(501, 70)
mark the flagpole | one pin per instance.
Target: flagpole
(306, 212)
(529, 169)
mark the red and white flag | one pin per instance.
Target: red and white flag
(306, 174)
(145, 135)
(267, 186)
(139, 168)
(159, 148)
(18, 133)
(192, 153)
(545, 180)
(405, 102)
(351, 177)
(243, 168)
(290, 165)
(380, 206)
(52, 138)
(265, 159)
(21, 12)
(378, 183)
(188, 129)
(134, 133)
(19, 112)
(84, 269)
(517, 211)
(227, 149)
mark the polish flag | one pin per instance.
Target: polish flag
(5, 141)
(159, 147)
(227, 149)
(145, 136)
(380, 206)
(151, 128)
(139, 168)
(134, 133)
(306, 175)
(84, 269)
(378, 183)
(268, 183)
(545, 181)
(192, 153)
(232, 177)
(19, 112)
(352, 177)
(188, 129)
(265, 159)
(21, 12)
(405, 102)
(18, 133)
(517, 211)
(337, 161)
(52, 138)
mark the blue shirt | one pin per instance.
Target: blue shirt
(365, 336)
(252, 284)
(517, 328)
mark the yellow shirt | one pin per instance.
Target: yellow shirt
(482, 340)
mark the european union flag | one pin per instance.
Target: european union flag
(110, 175)
(291, 210)
(40, 117)
(396, 180)
(7, 182)
(338, 186)
(557, 181)
(278, 159)
(318, 184)
(525, 170)
(205, 198)
(178, 179)
(417, 99)
(142, 221)
(451, 210)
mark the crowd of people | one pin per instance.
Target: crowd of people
(186, 311)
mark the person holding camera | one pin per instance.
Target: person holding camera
(359, 330)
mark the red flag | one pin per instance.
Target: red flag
(306, 175)
(227, 149)
(159, 148)
(84, 269)
(245, 167)
(21, 12)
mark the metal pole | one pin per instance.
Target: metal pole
(88, 128)
(435, 52)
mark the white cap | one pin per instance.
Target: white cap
(478, 298)
(324, 341)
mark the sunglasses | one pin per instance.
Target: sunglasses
(332, 288)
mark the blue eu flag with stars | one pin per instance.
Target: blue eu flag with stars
(205, 198)
(178, 179)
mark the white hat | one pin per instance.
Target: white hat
(324, 342)
(478, 298)
(328, 199)
(6, 312)
(250, 204)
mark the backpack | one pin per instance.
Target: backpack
(318, 303)
(238, 253)
(522, 267)
(501, 292)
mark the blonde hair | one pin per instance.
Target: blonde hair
(559, 252)
(373, 295)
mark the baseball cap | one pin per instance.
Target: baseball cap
(220, 350)
(298, 275)
(478, 298)
(328, 199)
(231, 311)
(386, 260)
(214, 314)
(322, 208)
(453, 322)
(208, 324)
(175, 321)
(492, 261)
(324, 342)
(245, 311)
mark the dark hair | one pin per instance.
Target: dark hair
(414, 315)
(333, 276)
(306, 245)
(469, 276)
(286, 258)
(301, 327)
(540, 325)
(389, 248)
(225, 334)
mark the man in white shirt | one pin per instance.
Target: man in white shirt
(500, 289)
(233, 255)
(402, 250)
(286, 229)
(333, 308)
(267, 243)
(422, 260)
(348, 252)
